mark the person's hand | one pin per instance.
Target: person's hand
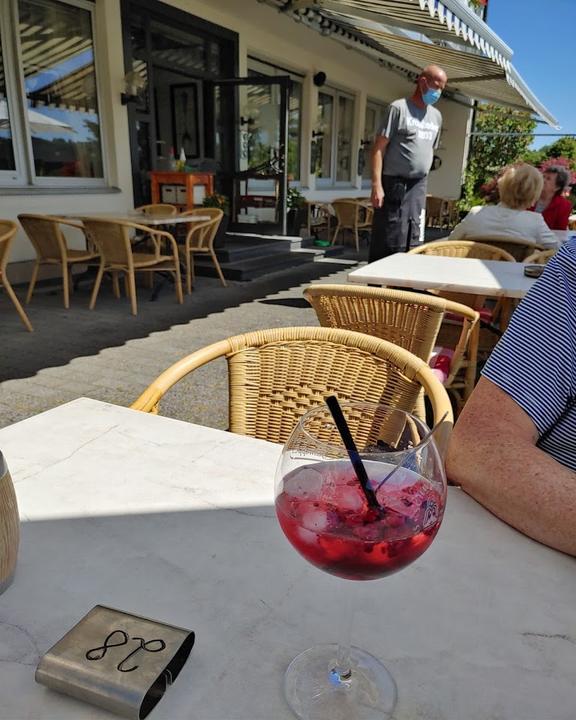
(377, 197)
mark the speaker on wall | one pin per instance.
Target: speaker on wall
(319, 79)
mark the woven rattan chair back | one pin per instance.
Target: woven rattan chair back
(200, 239)
(434, 207)
(112, 238)
(276, 375)
(158, 209)
(46, 236)
(201, 235)
(347, 212)
(541, 257)
(463, 249)
(8, 230)
(519, 248)
(410, 320)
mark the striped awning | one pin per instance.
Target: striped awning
(410, 34)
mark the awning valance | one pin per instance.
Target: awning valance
(415, 33)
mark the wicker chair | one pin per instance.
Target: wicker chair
(408, 319)
(276, 375)
(519, 248)
(158, 209)
(318, 218)
(463, 249)
(45, 233)
(200, 239)
(351, 215)
(8, 230)
(541, 257)
(112, 237)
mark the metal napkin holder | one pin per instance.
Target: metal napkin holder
(118, 661)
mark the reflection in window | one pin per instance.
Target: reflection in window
(258, 68)
(344, 135)
(6, 149)
(322, 137)
(372, 126)
(60, 84)
(294, 126)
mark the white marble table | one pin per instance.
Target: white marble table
(491, 278)
(143, 218)
(175, 522)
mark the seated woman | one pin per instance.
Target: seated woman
(555, 209)
(518, 188)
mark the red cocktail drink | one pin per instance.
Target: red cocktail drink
(324, 514)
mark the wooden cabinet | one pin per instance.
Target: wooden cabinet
(184, 180)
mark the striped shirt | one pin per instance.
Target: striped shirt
(535, 361)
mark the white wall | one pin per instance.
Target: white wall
(271, 36)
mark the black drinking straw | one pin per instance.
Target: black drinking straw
(351, 449)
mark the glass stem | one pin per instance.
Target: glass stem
(345, 616)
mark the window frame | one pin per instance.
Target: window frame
(25, 174)
(331, 182)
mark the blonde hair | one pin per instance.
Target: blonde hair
(520, 186)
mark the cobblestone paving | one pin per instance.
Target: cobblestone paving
(109, 355)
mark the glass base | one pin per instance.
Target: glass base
(314, 690)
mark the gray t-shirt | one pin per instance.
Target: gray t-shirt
(413, 134)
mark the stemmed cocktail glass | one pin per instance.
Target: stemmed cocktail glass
(356, 533)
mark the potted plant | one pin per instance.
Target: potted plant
(217, 200)
(296, 203)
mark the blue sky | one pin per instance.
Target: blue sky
(543, 38)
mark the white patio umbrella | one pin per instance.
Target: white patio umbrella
(39, 123)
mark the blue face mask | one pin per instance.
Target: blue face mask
(431, 96)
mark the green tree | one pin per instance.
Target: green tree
(501, 136)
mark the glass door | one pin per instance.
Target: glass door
(257, 107)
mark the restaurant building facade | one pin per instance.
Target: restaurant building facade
(96, 94)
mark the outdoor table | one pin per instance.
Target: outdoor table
(487, 278)
(175, 522)
(141, 218)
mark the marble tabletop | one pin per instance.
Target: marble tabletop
(176, 522)
(480, 277)
(143, 218)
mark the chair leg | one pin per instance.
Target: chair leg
(335, 236)
(178, 280)
(97, 283)
(131, 287)
(193, 277)
(218, 268)
(357, 238)
(32, 282)
(188, 273)
(66, 289)
(115, 285)
(19, 309)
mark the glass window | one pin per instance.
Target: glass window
(332, 138)
(372, 125)
(60, 85)
(344, 148)
(259, 67)
(322, 137)
(6, 147)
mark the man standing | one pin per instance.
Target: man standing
(402, 156)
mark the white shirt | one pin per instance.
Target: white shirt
(499, 221)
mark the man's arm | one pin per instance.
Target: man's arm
(493, 455)
(377, 157)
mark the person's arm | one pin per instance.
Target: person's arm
(377, 157)
(564, 212)
(493, 455)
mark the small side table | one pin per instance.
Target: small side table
(188, 180)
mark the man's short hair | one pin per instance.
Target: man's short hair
(520, 186)
(563, 176)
